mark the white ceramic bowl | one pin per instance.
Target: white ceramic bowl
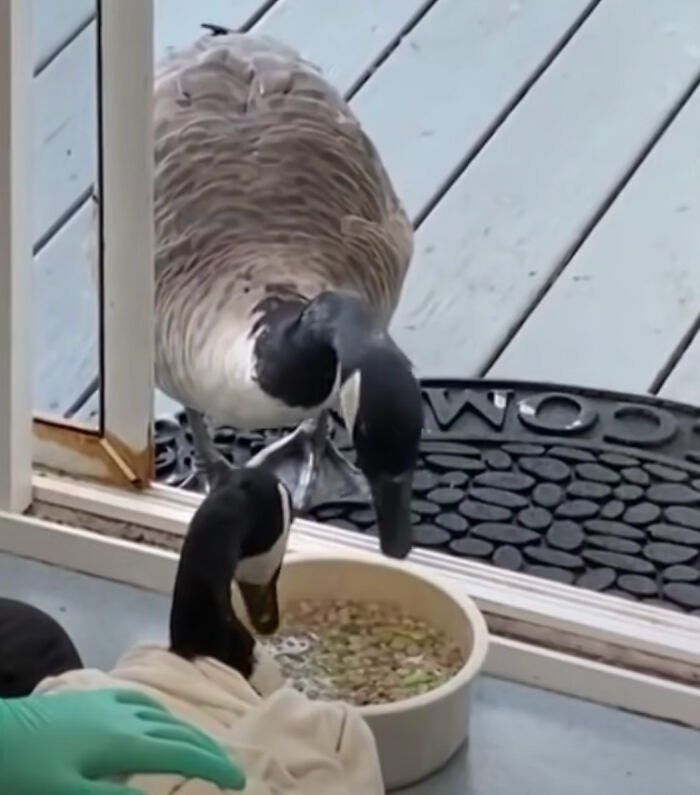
(415, 736)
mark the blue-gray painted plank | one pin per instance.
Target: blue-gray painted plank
(178, 22)
(65, 320)
(449, 79)
(342, 37)
(65, 131)
(622, 305)
(55, 22)
(683, 383)
(498, 235)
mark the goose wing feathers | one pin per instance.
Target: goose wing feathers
(264, 177)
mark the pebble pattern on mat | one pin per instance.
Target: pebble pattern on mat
(611, 519)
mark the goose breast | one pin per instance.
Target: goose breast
(265, 185)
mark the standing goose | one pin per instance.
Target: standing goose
(239, 533)
(281, 251)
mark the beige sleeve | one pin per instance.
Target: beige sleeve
(286, 744)
(362, 769)
(326, 746)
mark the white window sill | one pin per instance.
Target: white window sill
(556, 637)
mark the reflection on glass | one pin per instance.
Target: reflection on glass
(65, 292)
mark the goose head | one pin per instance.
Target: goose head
(239, 533)
(381, 404)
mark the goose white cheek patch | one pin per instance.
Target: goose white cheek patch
(350, 400)
(260, 569)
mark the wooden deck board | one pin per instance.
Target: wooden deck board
(65, 318)
(683, 383)
(54, 23)
(499, 234)
(65, 132)
(449, 80)
(178, 22)
(625, 301)
(64, 299)
(322, 32)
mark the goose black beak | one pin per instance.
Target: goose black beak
(392, 502)
(262, 605)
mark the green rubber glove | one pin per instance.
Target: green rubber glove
(73, 743)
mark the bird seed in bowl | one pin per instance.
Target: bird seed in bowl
(361, 652)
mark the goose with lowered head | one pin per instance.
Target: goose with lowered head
(238, 534)
(281, 252)
(215, 675)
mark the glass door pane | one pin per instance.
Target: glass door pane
(66, 323)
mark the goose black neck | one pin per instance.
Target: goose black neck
(348, 323)
(296, 364)
(202, 620)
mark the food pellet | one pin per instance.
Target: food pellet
(361, 652)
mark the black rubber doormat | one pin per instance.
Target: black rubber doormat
(586, 487)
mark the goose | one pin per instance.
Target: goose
(281, 250)
(237, 534)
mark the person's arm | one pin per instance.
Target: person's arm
(81, 741)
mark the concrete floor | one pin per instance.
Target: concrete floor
(524, 741)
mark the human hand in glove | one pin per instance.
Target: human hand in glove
(79, 743)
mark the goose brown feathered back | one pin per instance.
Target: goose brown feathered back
(281, 250)
(260, 165)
